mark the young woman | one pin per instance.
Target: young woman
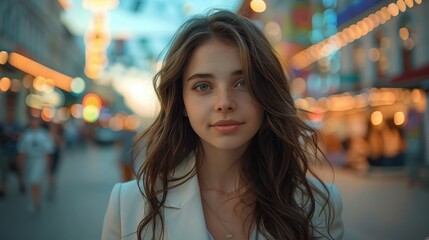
(228, 156)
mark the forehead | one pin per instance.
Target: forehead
(213, 55)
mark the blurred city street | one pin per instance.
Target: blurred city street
(77, 77)
(376, 207)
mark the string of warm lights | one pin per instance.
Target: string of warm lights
(375, 98)
(355, 31)
(34, 68)
(97, 37)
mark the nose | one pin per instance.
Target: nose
(225, 101)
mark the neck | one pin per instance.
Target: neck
(220, 169)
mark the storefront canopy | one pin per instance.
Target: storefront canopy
(416, 78)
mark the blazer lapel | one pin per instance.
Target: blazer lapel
(183, 212)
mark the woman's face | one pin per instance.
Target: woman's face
(217, 101)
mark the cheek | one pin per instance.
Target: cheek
(257, 114)
(253, 108)
(192, 110)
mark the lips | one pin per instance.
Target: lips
(226, 123)
(226, 126)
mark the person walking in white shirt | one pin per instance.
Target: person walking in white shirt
(35, 147)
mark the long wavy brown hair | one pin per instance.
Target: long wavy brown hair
(279, 155)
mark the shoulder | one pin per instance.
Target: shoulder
(126, 195)
(327, 218)
(124, 211)
(325, 190)
(126, 191)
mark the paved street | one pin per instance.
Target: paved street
(376, 207)
(382, 206)
(86, 177)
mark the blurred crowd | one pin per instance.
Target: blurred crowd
(32, 153)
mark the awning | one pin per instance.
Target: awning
(416, 78)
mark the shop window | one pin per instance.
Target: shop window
(379, 54)
(358, 57)
(407, 37)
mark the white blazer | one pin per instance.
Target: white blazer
(183, 213)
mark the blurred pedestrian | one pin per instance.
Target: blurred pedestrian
(375, 145)
(72, 133)
(56, 132)
(228, 156)
(35, 147)
(414, 157)
(394, 144)
(9, 134)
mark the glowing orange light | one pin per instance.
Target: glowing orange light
(404, 33)
(47, 114)
(116, 123)
(4, 84)
(76, 110)
(376, 118)
(132, 122)
(409, 3)
(401, 5)
(258, 6)
(399, 118)
(386, 13)
(3, 57)
(393, 9)
(36, 69)
(92, 99)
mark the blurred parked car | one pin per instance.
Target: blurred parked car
(105, 135)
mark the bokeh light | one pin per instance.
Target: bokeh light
(4, 84)
(132, 122)
(76, 110)
(376, 118)
(399, 118)
(90, 113)
(258, 6)
(77, 85)
(3, 57)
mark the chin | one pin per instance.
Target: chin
(229, 145)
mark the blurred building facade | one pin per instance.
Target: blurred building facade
(357, 66)
(387, 62)
(34, 43)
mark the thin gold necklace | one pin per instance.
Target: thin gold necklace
(219, 219)
(226, 191)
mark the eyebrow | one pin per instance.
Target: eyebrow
(209, 75)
